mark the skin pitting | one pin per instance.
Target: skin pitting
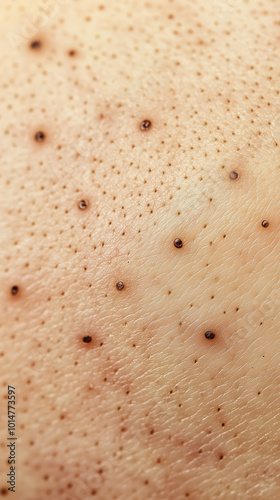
(148, 179)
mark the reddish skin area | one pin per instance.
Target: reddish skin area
(159, 123)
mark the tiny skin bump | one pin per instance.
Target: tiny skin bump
(120, 285)
(209, 335)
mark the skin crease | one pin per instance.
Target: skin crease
(149, 407)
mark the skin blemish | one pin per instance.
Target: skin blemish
(71, 53)
(178, 243)
(14, 290)
(83, 204)
(40, 136)
(265, 223)
(35, 45)
(120, 285)
(145, 125)
(233, 175)
(87, 339)
(209, 335)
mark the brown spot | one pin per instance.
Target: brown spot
(14, 290)
(87, 339)
(178, 243)
(120, 285)
(145, 124)
(72, 53)
(265, 223)
(83, 204)
(209, 335)
(35, 45)
(233, 175)
(40, 136)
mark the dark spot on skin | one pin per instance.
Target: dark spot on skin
(71, 53)
(233, 175)
(120, 285)
(36, 44)
(145, 124)
(14, 290)
(221, 457)
(178, 243)
(209, 335)
(87, 339)
(83, 204)
(39, 136)
(265, 223)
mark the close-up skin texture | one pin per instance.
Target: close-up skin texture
(139, 256)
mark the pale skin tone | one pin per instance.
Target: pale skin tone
(119, 394)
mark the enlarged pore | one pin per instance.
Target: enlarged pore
(40, 136)
(83, 204)
(145, 125)
(234, 175)
(36, 45)
(120, 286)
(14, 290)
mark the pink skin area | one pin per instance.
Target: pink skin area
(149, 408)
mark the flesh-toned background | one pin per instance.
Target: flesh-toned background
(149, 409)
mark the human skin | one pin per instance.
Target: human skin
(148, 408)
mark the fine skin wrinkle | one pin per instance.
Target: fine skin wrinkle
(139, 253)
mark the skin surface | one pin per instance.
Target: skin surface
(147, 407)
